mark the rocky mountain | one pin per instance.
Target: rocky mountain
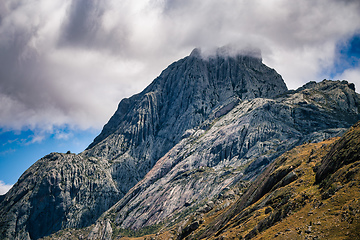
(231, 148)
(147, 125)
(294, 198)
(205, 126)
(58, 191)
(310, 192)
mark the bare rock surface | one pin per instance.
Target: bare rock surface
(58, 191)
(62, 191)
(236, 146)
(149, 124)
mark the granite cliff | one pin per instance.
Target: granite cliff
(232, 148)
(190, 91)
(204, 126)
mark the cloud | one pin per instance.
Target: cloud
(69, 62)
(83, 22)
(4, 188)
(351, 75)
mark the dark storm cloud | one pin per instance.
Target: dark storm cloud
(18, 74)
(84, 26)
(71, 62)
(83, 22)
(44, 83)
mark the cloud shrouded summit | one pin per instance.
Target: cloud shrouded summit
(71, 62)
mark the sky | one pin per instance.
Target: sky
(66, 64)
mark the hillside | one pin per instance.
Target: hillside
(286, 201)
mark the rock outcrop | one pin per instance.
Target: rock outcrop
(345, 152)
(58, 191)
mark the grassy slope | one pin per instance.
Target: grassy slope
(303, 209)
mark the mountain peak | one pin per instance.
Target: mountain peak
(193, 86)
(201, 126)
(196, 52)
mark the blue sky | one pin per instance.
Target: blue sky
(348, 56)
(66, 64)
(20, 149)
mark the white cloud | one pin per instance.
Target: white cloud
(4, 188)
(71, 62)
(351, 75)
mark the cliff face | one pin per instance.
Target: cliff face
(202, 126)
(233, 147)
(58, 191)
(142, 130)
(149, 124)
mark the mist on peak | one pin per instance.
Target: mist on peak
(229, 50)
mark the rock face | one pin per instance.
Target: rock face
(286, 202)
(345, 152)
(149, 124)
(235, 146)
(58, 191)
(201, 127)
(142, 130)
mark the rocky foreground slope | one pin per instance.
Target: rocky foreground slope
(226, 151)
(310, 192)
(201, 129)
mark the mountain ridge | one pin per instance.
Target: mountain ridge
(285, 201)
(193, 155)
(291, 170)
(202, 126)
(182, 97)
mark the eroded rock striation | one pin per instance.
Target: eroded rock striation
(285, 201)
(233, 147)
(204, 125)
(58, 191)
(147, 125)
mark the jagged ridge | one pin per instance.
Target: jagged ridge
(141, 131)
(187, 93)
(236, 146)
